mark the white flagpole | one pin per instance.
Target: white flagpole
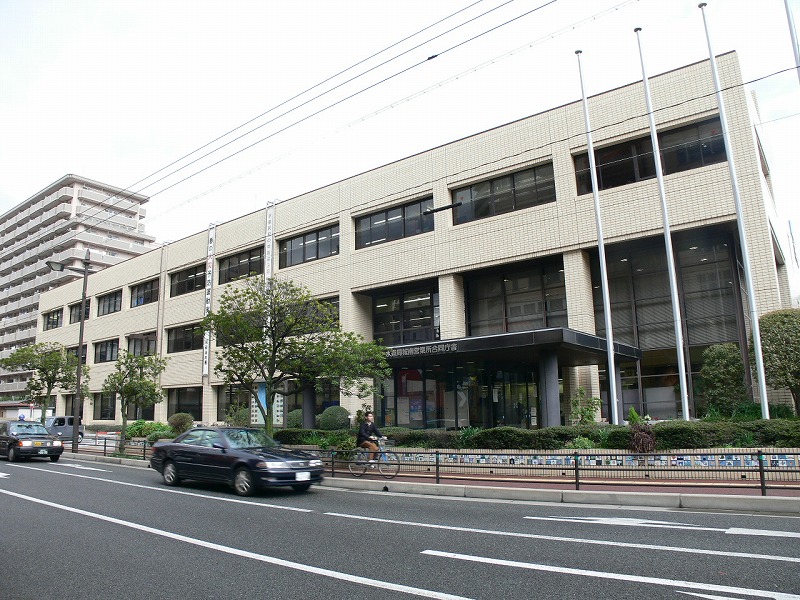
(748, 276)
(611, 376)
(793, 35)
(673, 280)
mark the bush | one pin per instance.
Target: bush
(643, 440)
(181, 422)
(294, 419)
(581, 443)
(334, 417)
(293, 437)
(160, 435)
(144, 429)
(504, 437)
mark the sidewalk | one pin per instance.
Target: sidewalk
(654, 494)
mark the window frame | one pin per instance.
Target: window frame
(53, 319)
(179, 280)
(398, 222)
(75, 311)
(173, 339)
(145, 292)
(109, 303)
(288, 248)
(101, 350)
(255, 264)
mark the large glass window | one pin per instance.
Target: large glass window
(109, 303)
(406, 317)
(144, 293)
(525, 299)
(143, 344)
(682, 149)
(105, 407)
(74, 351)
(187, 280)
(231, 396)
(106, 351)
(244, 264)
(75, 311)
(53, 319)
(186, 400)
(182, 339)
(524, 189)
(309, 246)
(394, 223)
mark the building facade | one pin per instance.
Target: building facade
(59, 223)
(477, 264)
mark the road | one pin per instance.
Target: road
(94, 530)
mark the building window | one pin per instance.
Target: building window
(75, 311)
(524, 189)
(182, 339)
(105, 407)
(142, 344)
(54, 319)
(144, 293)
(68, 410)
(185, 400)
(309, 246)
(109, 303)
(187, 281)
(406, 317)
(136, 413)
(682, 149)
(106, 351)
(522, 300)
(394, 223)
(244, 264)
(231, 396)
(74, 351)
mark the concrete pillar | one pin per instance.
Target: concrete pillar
(549, 406)
(309, 405)
(452, 307)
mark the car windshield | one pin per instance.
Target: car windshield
(27, 429)
(249, 438)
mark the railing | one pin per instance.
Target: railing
(757, 469)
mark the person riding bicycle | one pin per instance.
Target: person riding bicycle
(368, 434)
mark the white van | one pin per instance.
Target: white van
(61, 427)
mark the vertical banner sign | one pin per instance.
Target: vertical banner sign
(269, 240)
(212, 231)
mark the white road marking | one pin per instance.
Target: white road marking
(383, 585)
(708, 596)
(4, 475)
(81, 467)
(169, 490)
(674, 583)
(554, 538)
(668, 525)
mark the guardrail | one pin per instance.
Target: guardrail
(758, 469)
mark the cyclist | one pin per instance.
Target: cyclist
(368, 434)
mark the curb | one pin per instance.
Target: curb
(764, 504)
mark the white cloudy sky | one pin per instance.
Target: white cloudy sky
(116, 91)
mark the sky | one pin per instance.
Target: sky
(120, 92)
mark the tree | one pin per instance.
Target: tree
(272, 331)
(722, 377)
(135, 381)
(53, 368)
(780, 346)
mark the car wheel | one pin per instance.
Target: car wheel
(12, 454)
(55, 458)
(80, 438)
(243, 483)
(301, 487)
(170, 473)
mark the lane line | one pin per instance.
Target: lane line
(553, 538)
(168, 490)
(707, 596)
(673, 583)
(383, 585)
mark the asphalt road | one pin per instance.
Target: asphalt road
(94, 530)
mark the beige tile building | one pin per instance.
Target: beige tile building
(477, 264)
(59, 223)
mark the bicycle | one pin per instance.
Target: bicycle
(388, 463)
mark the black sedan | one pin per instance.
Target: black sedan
(28, 439)
(245, 458)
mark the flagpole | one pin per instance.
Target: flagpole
(611, 376)
(793, 35)
(673, 280)
(748, 276)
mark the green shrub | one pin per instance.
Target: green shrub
(643, 440)
(143, 429)
(160, 435)
(504, 437)
(581, 443)
(334, 417)
(466, 435)
(290, 436)
(181, 422)
(583, 408)
(294, 419)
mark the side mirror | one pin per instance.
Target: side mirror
(218, 446)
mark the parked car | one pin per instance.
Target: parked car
(61, 426)
(245, 458)
(28, 439)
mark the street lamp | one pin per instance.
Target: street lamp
(77, 402)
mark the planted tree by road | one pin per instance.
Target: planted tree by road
(53, 368)
(272, 331)
(780, 346)
(722, 379)
(135, 382)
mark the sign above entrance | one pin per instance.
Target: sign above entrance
(445, 348)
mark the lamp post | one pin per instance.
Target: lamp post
(77, 402)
